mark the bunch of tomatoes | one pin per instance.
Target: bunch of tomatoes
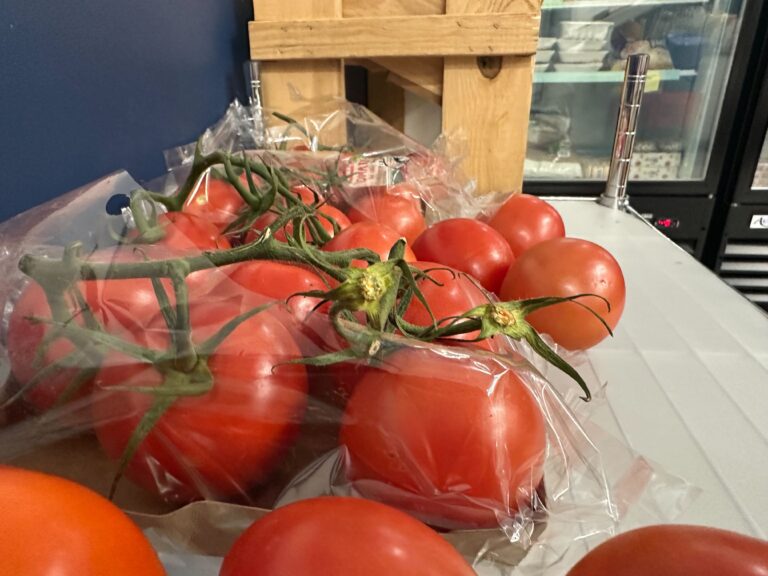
(197, 384)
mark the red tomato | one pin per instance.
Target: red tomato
(341, 537)
(127, 305)
(467, 245)
(189, 233)
(369, 235)
(676, 550)
(566, 267)
(279, 281)
(185, 233)
(525, 220)
(222, 442)
(454, 295)
(54, 526)
(333, 383)
(306, 194)
(215, 200)
(24, 340)
(268, 218)
(457, 445)
(122, 308)
(397, 207)
(308, 197)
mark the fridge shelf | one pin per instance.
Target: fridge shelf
(607, 76)
(558, 4)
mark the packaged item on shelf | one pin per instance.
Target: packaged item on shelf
(580, 67)
(579, 45)
(646, 146)
(547, 127)
(595, 168)
(655, 166)
(583, 57)
(660, 58)
(685, 49)
(553, 168)
(546, 43)
(544, 56)
(586, 30)
(761, 175)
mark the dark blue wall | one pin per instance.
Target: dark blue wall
(91, 86)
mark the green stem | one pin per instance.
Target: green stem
(47, 271)
(148, 228)
(201, 164)
(185, 356)
(251, 199)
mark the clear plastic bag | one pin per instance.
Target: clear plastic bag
(158, 353)
(370, 153)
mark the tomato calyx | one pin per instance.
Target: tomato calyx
(509, 319)
(371, 290)
(182, 376)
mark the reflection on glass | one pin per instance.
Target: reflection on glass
(761, 176)
(579, 69)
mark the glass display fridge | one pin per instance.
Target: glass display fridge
(740, 230)
(698, 51)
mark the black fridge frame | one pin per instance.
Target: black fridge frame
(746, 142)
(755, 137)
(733, 116)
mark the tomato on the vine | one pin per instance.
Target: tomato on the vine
(371, 235)
(467, 245)
(456, 444)
(397, 207)
(279, 281)
(449, 293)
(525, 221)
(53, 526)
(189, 233)
(337, 536)
(120, 307)
(326, 216)
(676, 550)
(567, 267)
(215, 200)
(216, 443)
(27, 353)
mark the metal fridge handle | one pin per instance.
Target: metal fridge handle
(615, 194)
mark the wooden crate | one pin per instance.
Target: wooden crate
(476, 57)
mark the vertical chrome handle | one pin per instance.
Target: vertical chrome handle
(615, 194)
(253, 82)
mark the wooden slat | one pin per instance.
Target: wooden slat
(365, 8)
(424, 76)
(385, 99)
(310, 78)
(491, 113)
(473, 34)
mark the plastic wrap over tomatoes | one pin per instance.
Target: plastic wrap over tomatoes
(308, 322)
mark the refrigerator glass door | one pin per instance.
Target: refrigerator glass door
(577, 84)
(760, 182)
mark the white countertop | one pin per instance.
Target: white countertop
(686, 379)
(687, 370)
